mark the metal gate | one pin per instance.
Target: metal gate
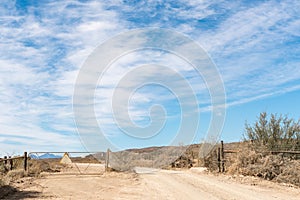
(66, 163)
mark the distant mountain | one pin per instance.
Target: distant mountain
(45, 156)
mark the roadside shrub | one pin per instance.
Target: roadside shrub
(290, 172)
(274, 132)
(13, 175)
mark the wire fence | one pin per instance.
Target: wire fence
(8, 163)
(223, 155)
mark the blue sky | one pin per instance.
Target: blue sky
(255, 46)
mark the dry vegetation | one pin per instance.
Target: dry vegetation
(6, 178)
(282, 168)
(35, 168)
(270, 167)
(7, 175)
(260, 154)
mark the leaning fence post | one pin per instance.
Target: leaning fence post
(222, 156)
(25, 161)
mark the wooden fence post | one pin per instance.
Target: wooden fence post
(25, 161)
(11, 163)
(5, 161)
(219, 159)
(222, 156)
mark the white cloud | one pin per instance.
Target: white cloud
(39, 62)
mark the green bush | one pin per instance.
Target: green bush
(274, 132)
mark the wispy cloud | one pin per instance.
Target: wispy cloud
(42, 48)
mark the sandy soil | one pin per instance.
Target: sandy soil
(150, 184)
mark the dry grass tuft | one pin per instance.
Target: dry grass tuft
(36, 167)
(11, 176)
(14, 175)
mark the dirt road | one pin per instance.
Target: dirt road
(192, 185)
(152, 184)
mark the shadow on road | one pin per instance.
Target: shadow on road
(9, 192)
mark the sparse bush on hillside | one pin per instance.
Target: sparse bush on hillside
(274, 133)
(161, 157)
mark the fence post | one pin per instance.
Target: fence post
(219, 159)
(11, 163)
(25, 161)
(5, 161)
(107, 160)
(222, 156)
